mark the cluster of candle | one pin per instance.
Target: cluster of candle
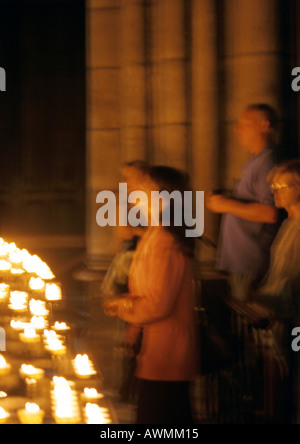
(22, 271)
(21, 261)
(83, 367)
(64, 401)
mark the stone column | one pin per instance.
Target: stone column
(169, 82)
(103, 63)
(252, 58)
(205, 124)
(133, 81)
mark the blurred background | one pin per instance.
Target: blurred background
(92, 84)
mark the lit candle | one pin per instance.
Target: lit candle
(83, 367)
(33, 264)
(96, 415)
(64, 401)
(91, 394)
(38, 308)
(31, 371)
(32, 414)
(15, 257)
(4, 415)
(19, 325)
(29, 335)
(4, 291)
(5, 265)
(60, 326)
(18, 300)
(55, 346)
(4, 366)
(38, 322)
(36, 284)
(17, 271)
(53, 292)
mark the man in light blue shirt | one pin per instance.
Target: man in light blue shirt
(249, 222)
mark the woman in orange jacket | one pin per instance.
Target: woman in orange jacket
(161, 301)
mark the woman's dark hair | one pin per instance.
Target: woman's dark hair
(171, 179)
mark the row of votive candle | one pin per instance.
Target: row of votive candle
(18, 299)
(12, 257)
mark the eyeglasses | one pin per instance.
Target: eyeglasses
(278, 186)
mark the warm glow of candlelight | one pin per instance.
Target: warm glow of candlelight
(29, 332)
(36, 284)
(3, 413)
(4, 265)
(91, 394)
(55, 346)
(64, 401)
(38, 308)
(31, 371)
(83, 366)
(53, 292)
(4, 291)
(33, 264)
(31, 407)
(50, 334)
(96, 415)
(17, 271)
(29, 335)
(18, 300)
(19, 325)
(3, 363)
(60, 326)
(38, 322)
(32, 414)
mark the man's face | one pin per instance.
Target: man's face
(249, 129)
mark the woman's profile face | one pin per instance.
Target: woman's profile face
(285, 192)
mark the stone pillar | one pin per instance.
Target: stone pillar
(169, 82)
(103, 63)
(252, 58)
(205, 124)
(133, 81)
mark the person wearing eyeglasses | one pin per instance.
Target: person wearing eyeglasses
(285, 251)
(249, 218)
(277, 299)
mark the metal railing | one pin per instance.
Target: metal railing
(247, 380)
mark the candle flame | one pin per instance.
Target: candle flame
(3, 413)
(31, 407)
(3, 363)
